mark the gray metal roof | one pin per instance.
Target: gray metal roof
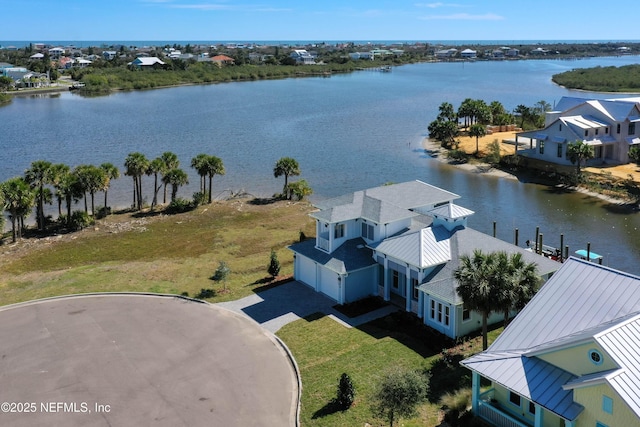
(452, 211)
(464, 241)
(580, 295)
(424, 248)
(361, 205)
(532, 378)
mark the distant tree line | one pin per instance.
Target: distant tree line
(43, 182)
(601, 79)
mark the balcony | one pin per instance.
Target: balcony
(322, 242)
(490, 411)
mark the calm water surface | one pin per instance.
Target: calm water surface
(348, 132)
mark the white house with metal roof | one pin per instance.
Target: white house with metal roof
(402, 242)
(610, 126)
(571, 357)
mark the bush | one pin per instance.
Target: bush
(274, 264)
(346, 392)
(199, 198)
(179, 205)
(205, 293)
(457, 155)
(493, 154)
(80, 220)
(399, 393)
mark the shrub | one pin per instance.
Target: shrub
(179, 205)
(457, 155)
(493, 155)
(80, 220)
(399, 393)
(205, 293)
(199, 198)
(346, 392)
(274, 264)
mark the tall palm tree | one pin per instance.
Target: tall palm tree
(19, 198)
(37, 176)
(286, 166)
(70, 188)
(213, 166)
(519, 285)
(136, 165)
(177, 178)
(578, 151)
(58, 171)
(112, 172)
(171, 162)
(199, 163)
(477, 130)
(156, 167)
(475, 286)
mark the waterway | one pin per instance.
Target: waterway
(348, 132)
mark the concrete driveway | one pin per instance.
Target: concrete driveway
(286, 303)
(130, 360)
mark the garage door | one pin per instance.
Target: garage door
(329, 284)
(307, 271)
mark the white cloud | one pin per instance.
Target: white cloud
(437, 5)
(464, 17)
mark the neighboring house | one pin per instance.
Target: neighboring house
(56, 52)
(301, 56)
(222, 60)
(610, 126)
(145, 62)
(81, 63)
(446, 53)
(512, 52)
(468, 54)
(361, 55)
(108, 55)
(403, 242)
(37, 56)
(570, 358)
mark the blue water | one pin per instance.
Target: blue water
(348, 132)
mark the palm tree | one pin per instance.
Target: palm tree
(286, 166)
(137, 165)
(578, 152)
(517, 282)
(475, 287)
(111, 172)
(70, 188)
(477, 130)
(58, 171)
(37, 176)
(177, 178)
(18, 198)
(199, 164)
(213, 166)
(171, 162)
(156, 166)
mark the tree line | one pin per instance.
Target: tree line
(44, 181)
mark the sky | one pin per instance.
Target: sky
(319, 20)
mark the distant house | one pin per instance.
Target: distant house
(81, 63)
(361, 55)
(570, 358)
(301, 56)
(610, 126)
(402, 242)
(56, 52)
(512, 52)
(37, 56)
(146, 62)
(446, 53)
(539, 51)
(223, 60)
(108, 55)
(468, 54)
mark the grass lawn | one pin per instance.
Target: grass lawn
(325, 349)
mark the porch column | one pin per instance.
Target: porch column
(409, 296)
(420, 305)
(475, 391)
(387, 288)
(341, 288)
(539, 416)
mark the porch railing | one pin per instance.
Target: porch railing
(323, 242)
(490, 411)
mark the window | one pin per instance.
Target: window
(586, 133)
(595, 357)
(338, 232)
(541, 147)
(607, 404)
(514, 398)
(597, 130)
(433, 309)
(414, 289)
(446, 315)
(560, 127)
(367, 231)
(559, 150)
(466, 314)
(618, 128)
(439, 313)
(606, 131)
(632, 128)
(532, 408)
(396, 279)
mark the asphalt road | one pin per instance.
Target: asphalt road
(125, 360)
